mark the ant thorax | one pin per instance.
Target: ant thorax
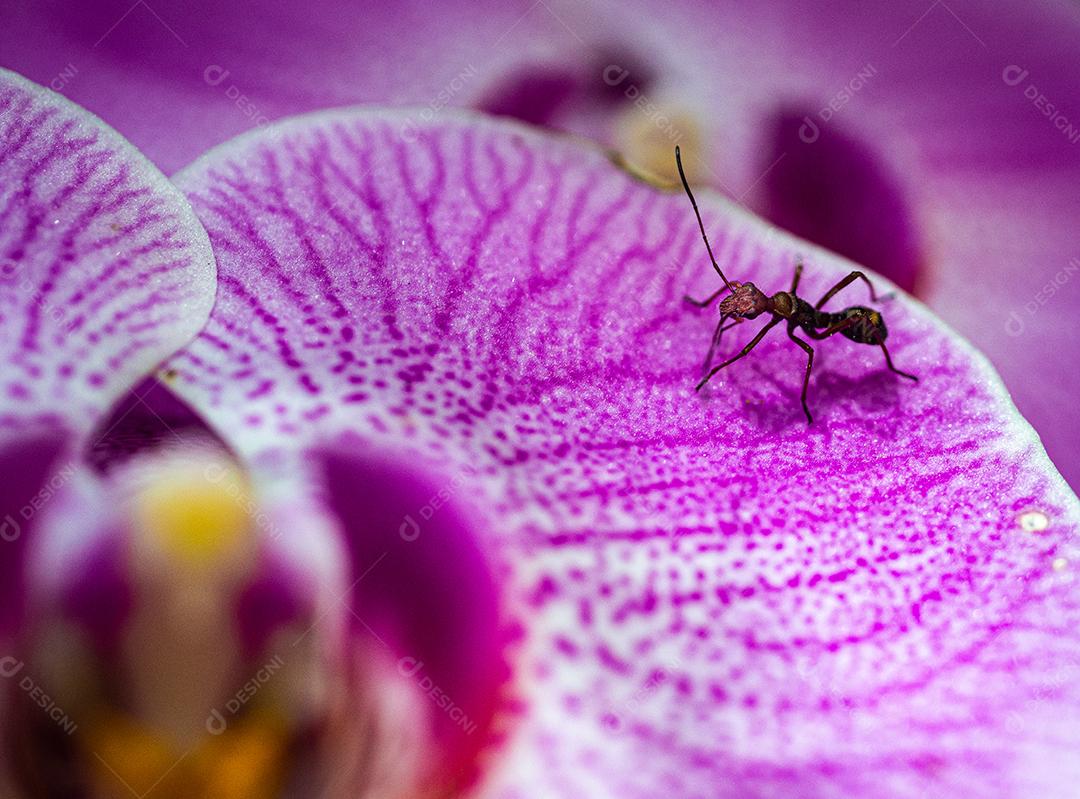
(784, 303)
(746, 300)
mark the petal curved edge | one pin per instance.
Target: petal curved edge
(882, 604)
(104, 269)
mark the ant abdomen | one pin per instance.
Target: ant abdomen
(869, 327)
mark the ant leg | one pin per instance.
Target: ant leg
(847, 281)
(809, 365)
(848, 323)
(717, 335)
(819, 335)
(889, 363)
(753, 343)
(705, 303)
(713, 344)
(798, 274)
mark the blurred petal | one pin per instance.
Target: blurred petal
(178, 77)
(26, 462)
(104, 270)
(882, 604)
(164, 627)
(423, 590)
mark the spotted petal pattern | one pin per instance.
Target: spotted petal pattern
(718, 600)
(104, 269)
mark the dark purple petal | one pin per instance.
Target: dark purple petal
(98, 594)
(837, 192)
(27, 463)
(147, 417)
(270, 601)
(422, 589)
(717, 599)
(104, 270)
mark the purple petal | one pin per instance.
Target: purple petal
(269, 602)
(145, 418)
(104, 270)
(215, 70)
(879, 605)
(98, 595)
(26, 462)
(423, 589)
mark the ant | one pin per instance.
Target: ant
(856, 322)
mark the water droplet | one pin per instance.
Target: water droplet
(1034, 521)
(1060, 564)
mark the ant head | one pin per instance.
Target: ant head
(746, 301)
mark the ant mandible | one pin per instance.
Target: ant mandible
(856, 322)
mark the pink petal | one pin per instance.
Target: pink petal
(717, 599)
(104, 270)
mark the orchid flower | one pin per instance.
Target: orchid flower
(933, 142)
(458, 524)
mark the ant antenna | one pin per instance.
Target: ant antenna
(693, 202)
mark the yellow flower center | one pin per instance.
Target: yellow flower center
(196, 514)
